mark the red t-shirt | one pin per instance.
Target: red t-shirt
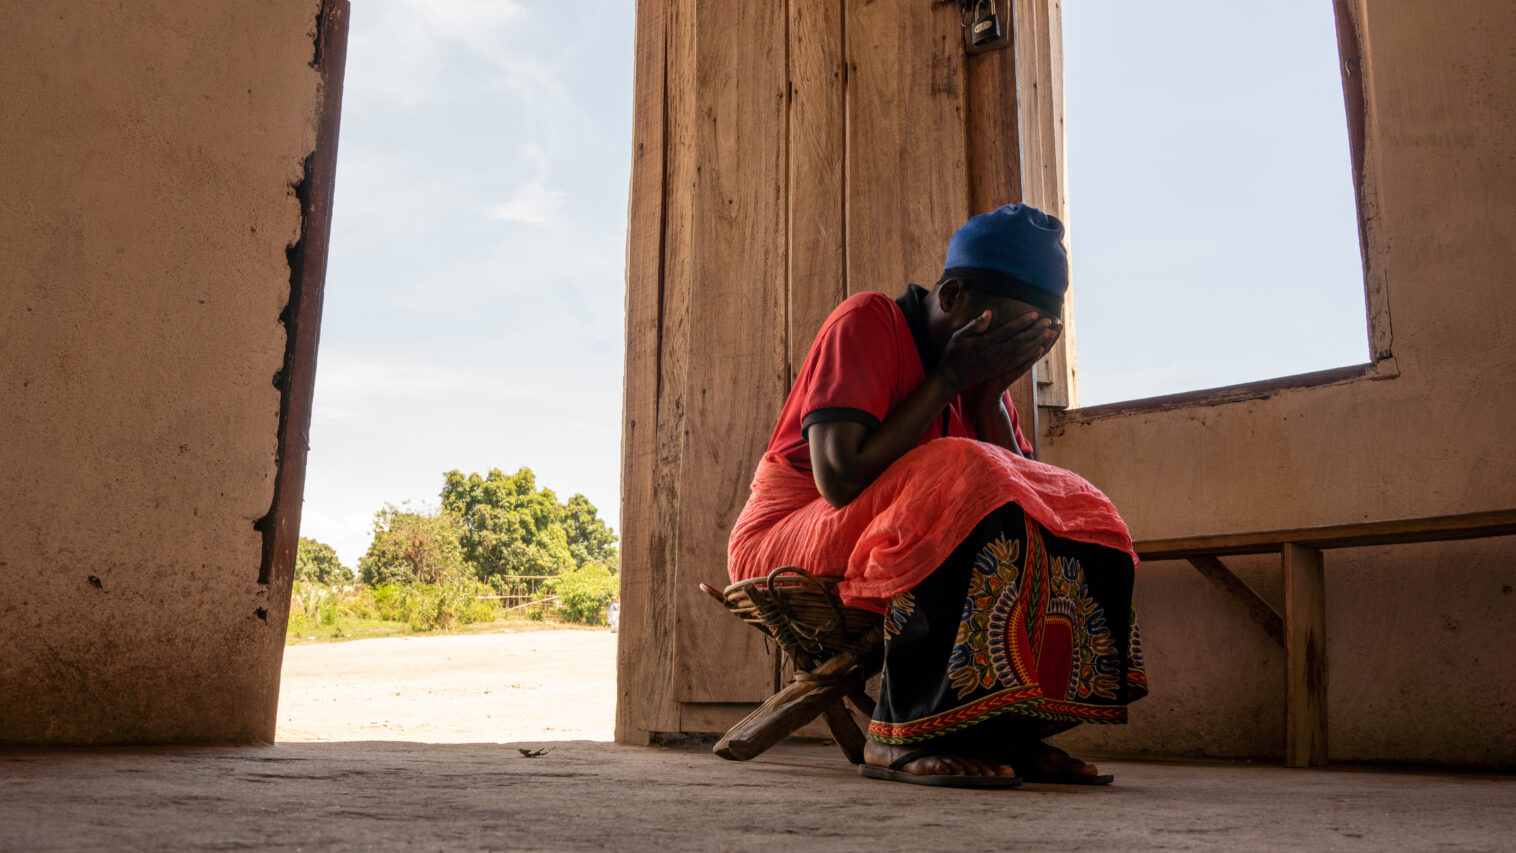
(870, 354)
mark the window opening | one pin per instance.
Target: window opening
(1213, 225)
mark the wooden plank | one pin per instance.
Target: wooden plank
(1038, 41)
(1024, 397)
(1350, 66)
(1260, 390)
(644, 661)
(993, 131)
(1039, 68)
(738, 356)
(1026, 43)
(1473, 525)
(785, 712)
(302, 326)
(1305, 688)
(783, 715)
(1353, 65)
(994, 145)
(1050, 67)
(907, 170)
(1260, 611)
(845, 731)
(1061, 365)
(719, 717)
(817, 248)
(681, 175)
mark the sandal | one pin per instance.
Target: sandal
(1032, 773)
(893, 773)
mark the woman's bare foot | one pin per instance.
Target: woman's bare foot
(947, 764)
(1039, 762)
(1050, 760)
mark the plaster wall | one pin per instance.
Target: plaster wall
(1421, 660)
(148, 153)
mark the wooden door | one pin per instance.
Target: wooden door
(785, 155)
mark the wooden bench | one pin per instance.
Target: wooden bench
(1302, 628)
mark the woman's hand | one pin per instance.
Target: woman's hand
(984, 404)
(982, 357)
(989, 392)
(846, 457)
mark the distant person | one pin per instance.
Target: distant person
(898, 463)
(613, 615)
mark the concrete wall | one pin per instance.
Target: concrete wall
(147, 153)
(1420, 646)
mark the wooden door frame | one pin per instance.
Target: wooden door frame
(301, 319)
(656, 446)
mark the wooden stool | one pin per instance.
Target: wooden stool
(835, 650)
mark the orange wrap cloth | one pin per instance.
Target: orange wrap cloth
(907, 522)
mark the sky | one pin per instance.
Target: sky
(474, 291)
(1213, 236)
(474, 296)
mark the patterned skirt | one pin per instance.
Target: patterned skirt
(1018, 633)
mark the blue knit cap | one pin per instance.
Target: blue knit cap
(1014, 251)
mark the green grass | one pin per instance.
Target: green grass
(324, 614)
(368, 629)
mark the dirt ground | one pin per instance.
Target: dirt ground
(528, 684)
(433, 745)
(581, 795)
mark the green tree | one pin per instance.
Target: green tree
(585, 591)
(509, 526)
(589, 539)
(318, 562)
(412, 547)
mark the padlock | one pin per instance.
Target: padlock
(981, 29)
(986, 29)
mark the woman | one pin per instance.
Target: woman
(898, 463)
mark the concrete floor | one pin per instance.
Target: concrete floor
(591, 795)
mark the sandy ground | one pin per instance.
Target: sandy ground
(525, 685)
(582, 795)
(425, 753)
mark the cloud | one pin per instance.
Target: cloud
(386, 427)
(395, 390)
(386, 199)
(399, 50)
(475, 23)
(534, 204)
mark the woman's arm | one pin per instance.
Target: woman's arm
(846, 457)
(992, 423)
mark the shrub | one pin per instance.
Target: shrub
(585, 592)
(316, 605)
(431, 606)
(421, 607)
(392, 602)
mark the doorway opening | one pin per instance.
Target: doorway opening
(462, 490)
